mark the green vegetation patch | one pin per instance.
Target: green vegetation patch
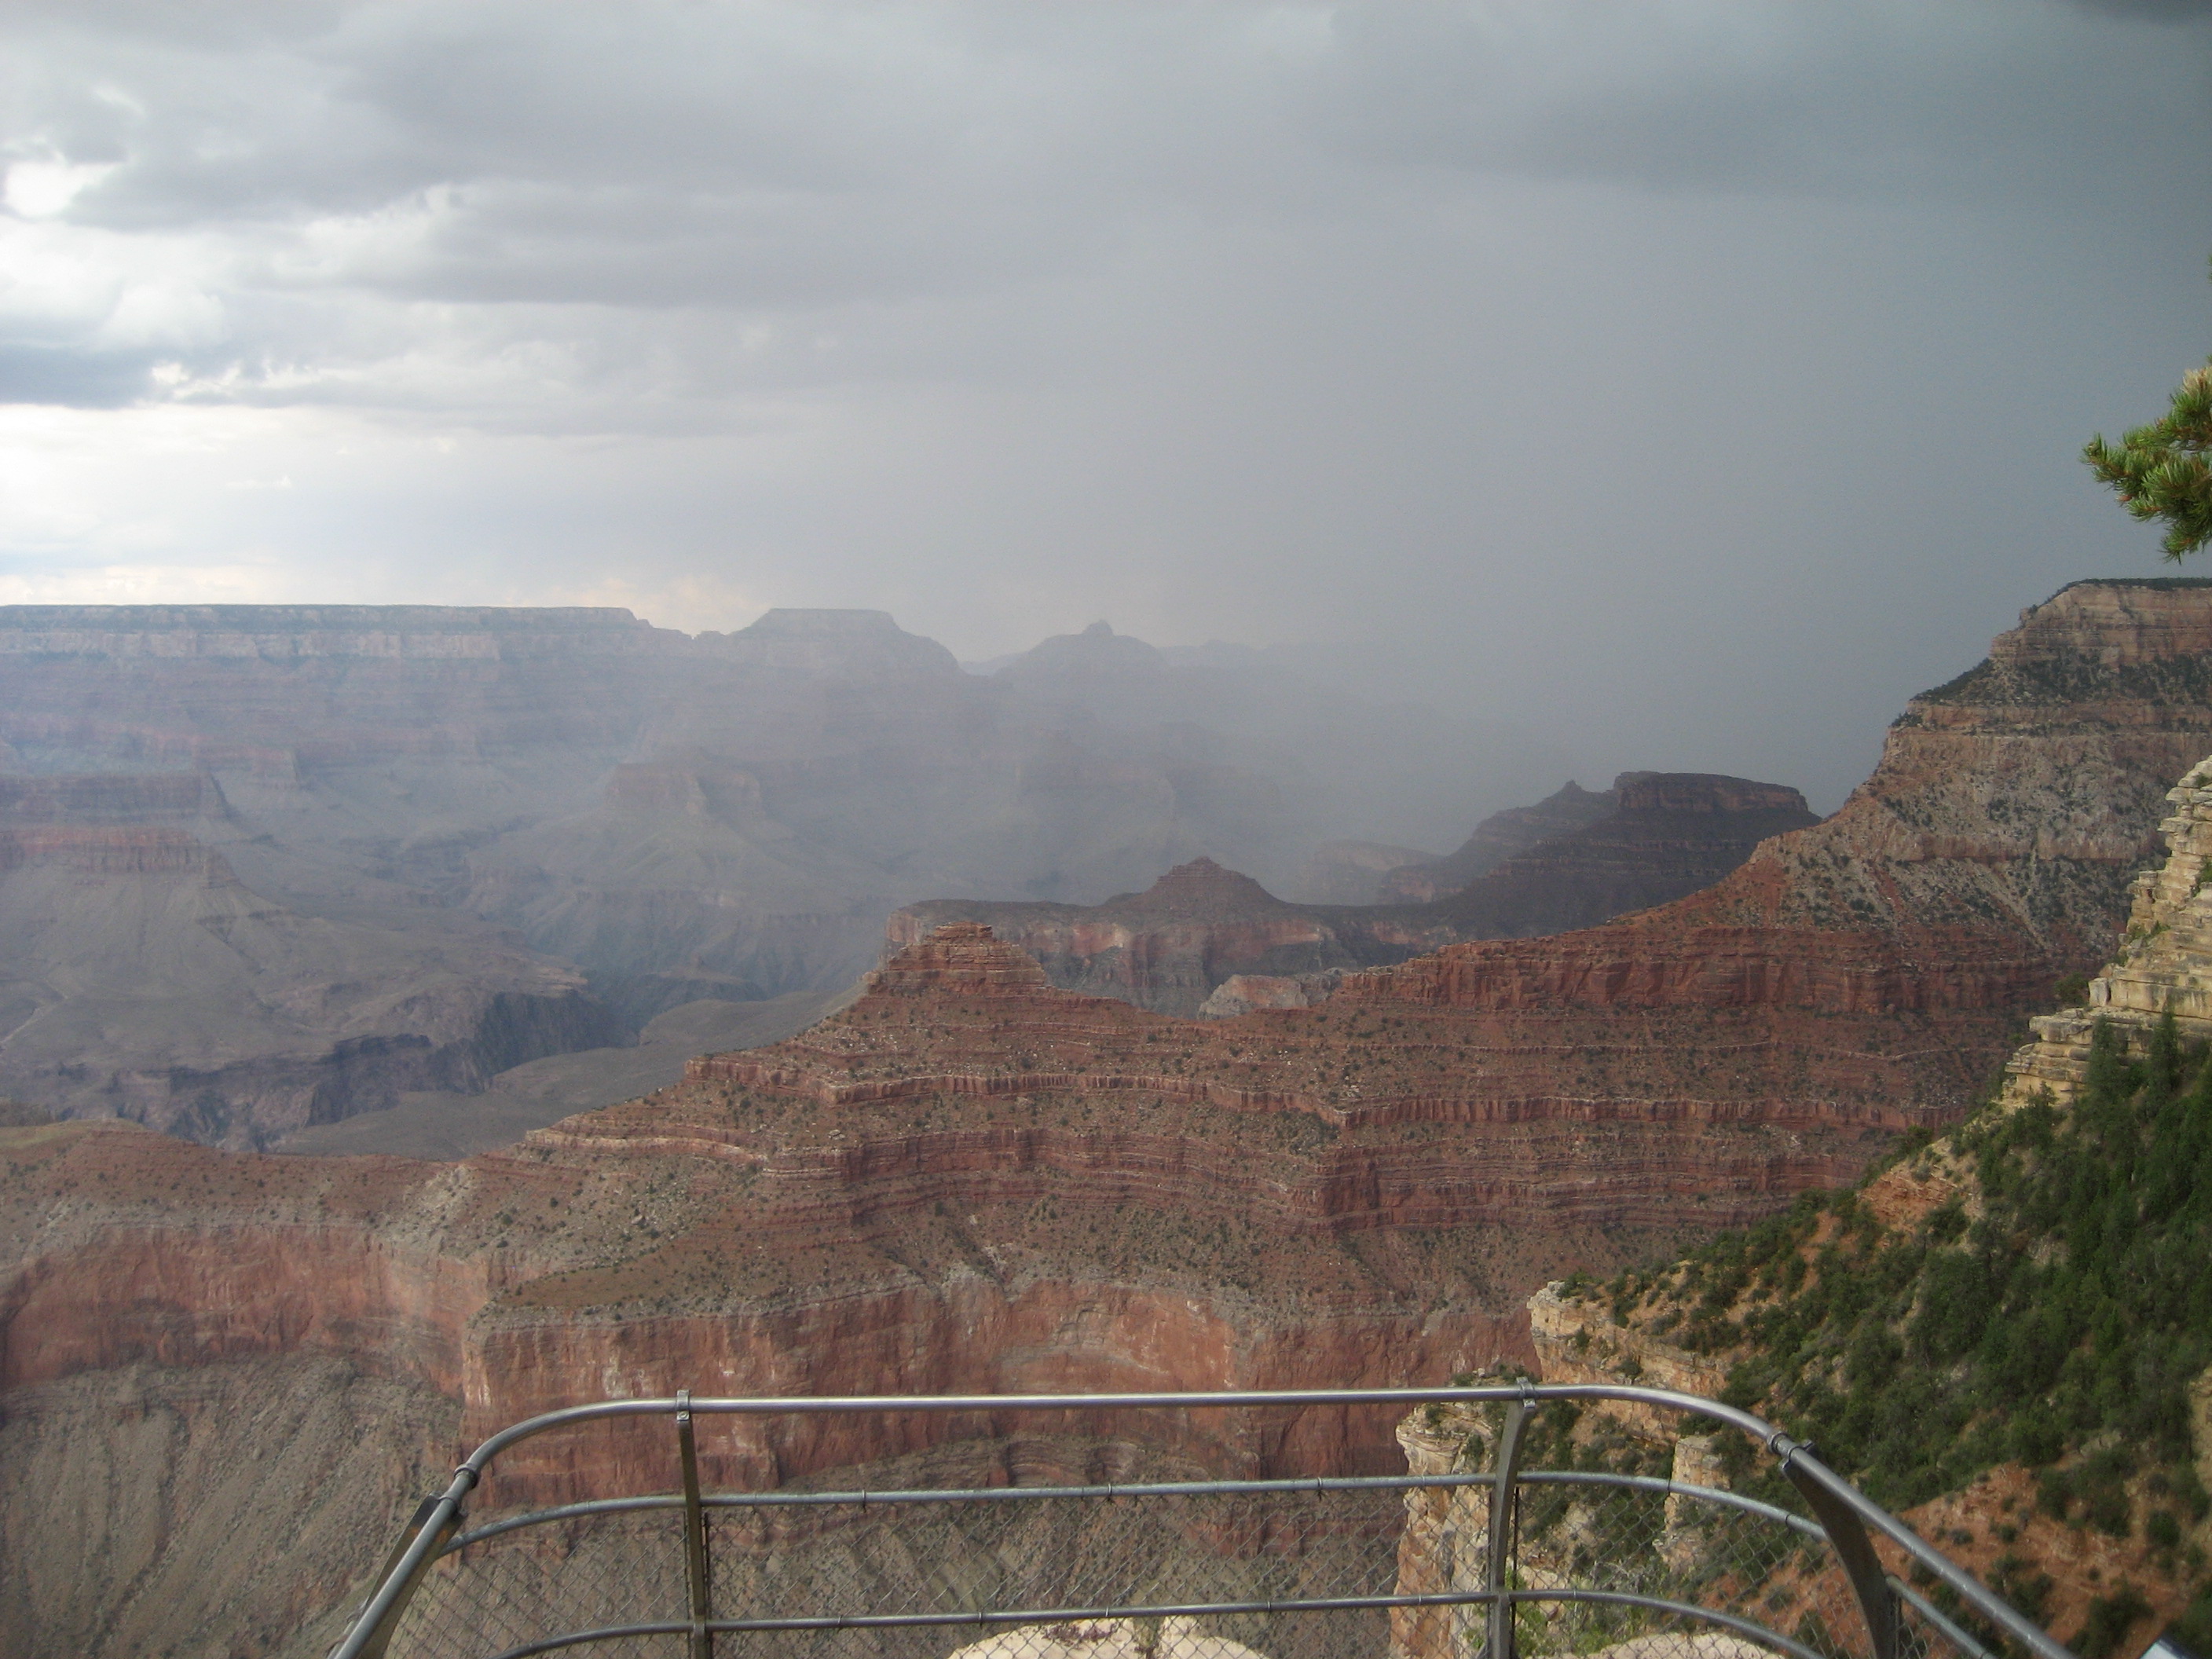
(2061, 1326)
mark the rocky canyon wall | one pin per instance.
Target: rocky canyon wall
(969, 1180)
(1988, 855)
(1172, 946)
(442, 839)
(974, 1178)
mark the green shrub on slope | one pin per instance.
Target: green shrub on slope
(2054, 1313)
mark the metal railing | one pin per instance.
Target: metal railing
(960, 1548)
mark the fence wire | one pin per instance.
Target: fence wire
(950, 1557)
(1596, 1564)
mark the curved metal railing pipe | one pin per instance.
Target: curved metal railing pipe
(1844, 1514)
(1743, 1627)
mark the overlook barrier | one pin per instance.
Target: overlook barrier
(1569, 1554)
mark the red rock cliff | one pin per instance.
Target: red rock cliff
(1169, 947)
(967, 1181)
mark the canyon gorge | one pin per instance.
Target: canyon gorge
(1660, 837)
(265, 868)
(972, 1177)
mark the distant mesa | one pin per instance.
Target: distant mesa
(1367, 872)
(266, 867)
(1495, 839)
(1172, 946)
(972, 1180)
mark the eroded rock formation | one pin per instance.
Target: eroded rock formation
(972, 1179)
(969, 1181)
(1171, 946)
(1499, 837)
(2162, 971)
(1988, 856)
(1776, 1322)
(445, 839)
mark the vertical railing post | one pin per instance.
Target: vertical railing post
(1847, 1536)
(695, 1532)
(1499, 1566)
(435, 1522)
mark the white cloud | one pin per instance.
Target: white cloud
(1599, 360)
(39, 190)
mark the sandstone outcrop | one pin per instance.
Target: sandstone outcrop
(967, 1181)
(1173, 945)
(2162, 971)
(1240, 993)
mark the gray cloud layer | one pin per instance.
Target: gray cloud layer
(1686, 383)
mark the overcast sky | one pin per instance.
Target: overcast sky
(1686, 382)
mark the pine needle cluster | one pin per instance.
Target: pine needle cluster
(2162, 470)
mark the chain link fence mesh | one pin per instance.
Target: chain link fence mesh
(1084, 1564)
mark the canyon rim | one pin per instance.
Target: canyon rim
(971, 1178)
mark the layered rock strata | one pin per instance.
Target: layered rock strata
(1692, 1328)
(1499, 837)
(477, 811)
(1989, 856)
(1168, 948)
(969, 1181)
(2163, 969)
(1173, 945)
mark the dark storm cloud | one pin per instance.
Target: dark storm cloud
(1614, 367)
(2161, 11)
(732, 158)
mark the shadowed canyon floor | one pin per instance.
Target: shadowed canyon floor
(542, 1091)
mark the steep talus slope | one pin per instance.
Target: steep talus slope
(1169, 947)
(2011, 1329)
(146, 1509)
